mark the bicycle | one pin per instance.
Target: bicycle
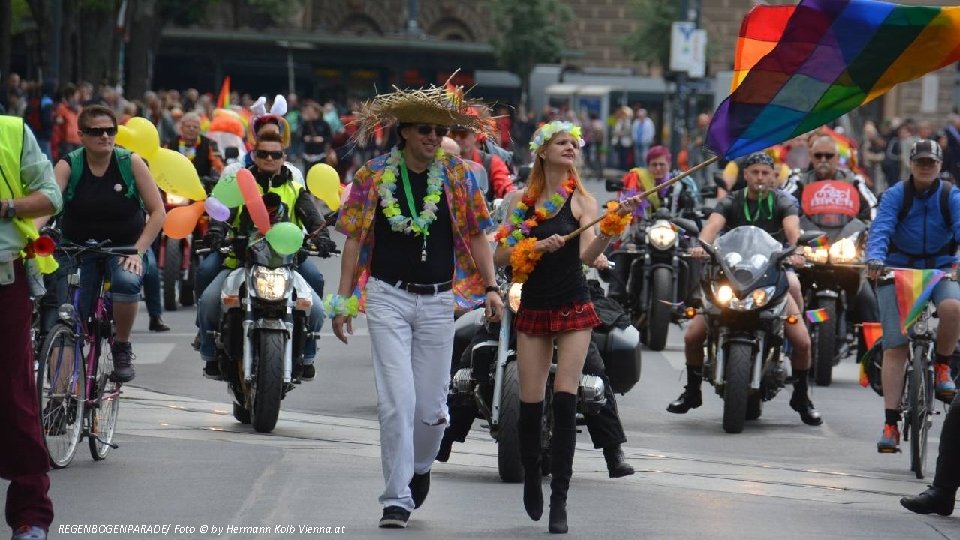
(77, 395)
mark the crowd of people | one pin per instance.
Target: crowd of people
(409, 266)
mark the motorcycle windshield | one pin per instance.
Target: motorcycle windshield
(745, 253)
(260, 253)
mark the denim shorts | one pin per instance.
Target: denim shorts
(890, 314)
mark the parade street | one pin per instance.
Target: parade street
(186, 469)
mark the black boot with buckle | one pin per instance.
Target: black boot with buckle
(692, 397)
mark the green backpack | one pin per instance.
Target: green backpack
(124, 163)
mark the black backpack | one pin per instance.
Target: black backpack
(909, 194)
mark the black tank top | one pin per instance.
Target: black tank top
(100, 210)
(557, 280)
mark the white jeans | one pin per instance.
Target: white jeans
(412, 341)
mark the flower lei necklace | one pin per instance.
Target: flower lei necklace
(418, 224)
(514, 232)
(189, 151)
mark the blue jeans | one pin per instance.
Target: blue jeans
(890, 314)
(151, 284)
(124, 286)
(213, 262)
(208, 319)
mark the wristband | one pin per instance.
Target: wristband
(341, 305)
(492, 288)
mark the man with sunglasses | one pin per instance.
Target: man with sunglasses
(27, 190)
(825, 165)
(500, 182)
(290, 201)
(415, 251)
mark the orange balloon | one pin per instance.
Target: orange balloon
(180, 222)
(253, 200)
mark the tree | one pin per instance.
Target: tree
(531, 32)
(6, 27)
(647, 43)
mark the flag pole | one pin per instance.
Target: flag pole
(647, 193)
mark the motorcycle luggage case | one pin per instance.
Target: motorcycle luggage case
(620, 349)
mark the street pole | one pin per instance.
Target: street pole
(679, 101)
(56, 23)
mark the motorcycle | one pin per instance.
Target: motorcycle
(830, 283)
(265, 308)
(745, 292)
(659, 282)
(490, 384)
(178, 258)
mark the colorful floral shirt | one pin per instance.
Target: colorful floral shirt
(469, 215)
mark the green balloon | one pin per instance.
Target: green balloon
(285, 238)
(227, 191)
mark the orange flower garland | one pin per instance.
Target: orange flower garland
(613, 224)
(524, 259)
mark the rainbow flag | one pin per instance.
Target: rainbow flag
(223, 100)
(760, 31)
(832, 57)
(817, 315)
(913, 289)
(820, 242)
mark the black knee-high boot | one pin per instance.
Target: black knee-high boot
(530, 427)
(561, 458)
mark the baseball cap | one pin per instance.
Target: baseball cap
(926, 148)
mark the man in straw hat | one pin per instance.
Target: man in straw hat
(427, 215)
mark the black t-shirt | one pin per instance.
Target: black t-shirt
(767, 213)
(396, 256)
(100, 209)
(316, 128)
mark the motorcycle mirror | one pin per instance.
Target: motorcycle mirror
(688, 226)
(613, 185)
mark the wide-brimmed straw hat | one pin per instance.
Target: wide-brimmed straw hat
(445, 105)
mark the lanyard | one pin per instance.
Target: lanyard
(746, 209)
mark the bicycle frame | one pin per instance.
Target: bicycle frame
(920, 357)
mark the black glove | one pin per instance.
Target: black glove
(325, 246)
(213, 239)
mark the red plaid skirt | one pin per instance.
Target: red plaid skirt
(543, 322)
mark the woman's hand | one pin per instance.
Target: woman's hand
(628, 206)
(133, 264)
(550, 244)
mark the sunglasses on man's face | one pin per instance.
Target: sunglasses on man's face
(426, 129)
(99, 131)
(264, 154)
(824, 155)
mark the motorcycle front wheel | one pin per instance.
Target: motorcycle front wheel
(736, 387)
(172, 259)
(661, 306)
(508, 438)
(825, 343)
(268, 381)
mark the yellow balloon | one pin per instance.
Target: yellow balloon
(175, 174)
(140, 136)
(324, 182)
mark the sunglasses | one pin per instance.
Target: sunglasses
(99, 131)
(819, 155)
(264, 154)
(426, 129)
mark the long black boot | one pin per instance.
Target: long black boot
(530, 426)
(561, 459)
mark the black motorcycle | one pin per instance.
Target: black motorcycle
(745, 292)
(486, 379)
(830, 283)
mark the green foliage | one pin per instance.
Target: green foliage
(651, 41)
(20, 11)
(530, 32)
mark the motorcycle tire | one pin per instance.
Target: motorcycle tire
(268, 381)
(240, 413)
(659, 312)
(736, 388)
(508, 437)
(824, 347)
(172, 258)
(188, 296)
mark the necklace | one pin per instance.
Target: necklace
(746, 208)
(418, 224)
(189, 151)
(518, 226)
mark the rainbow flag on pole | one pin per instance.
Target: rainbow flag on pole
(817, 315)
(913, 289)
(831, 57)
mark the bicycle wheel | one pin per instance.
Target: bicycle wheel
(919, 409)
(105, 408)
(62, 392)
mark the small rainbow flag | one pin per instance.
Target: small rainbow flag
(223, 100)
(817, 315)
(913, 289)
(820, 242)
(796, 71)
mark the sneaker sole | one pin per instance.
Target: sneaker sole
(393, 523)
(887, 450)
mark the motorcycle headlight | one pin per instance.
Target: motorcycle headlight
(513, 297)
(662, 235)
(723, 294)
(177, 200)
(270, 284)
(762, 296)
(815, 255)
(844, 251)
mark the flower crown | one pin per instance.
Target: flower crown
(547, 131)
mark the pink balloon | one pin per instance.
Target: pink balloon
(253, 200)
(215, 209)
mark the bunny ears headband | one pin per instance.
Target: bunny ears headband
(276, 116)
